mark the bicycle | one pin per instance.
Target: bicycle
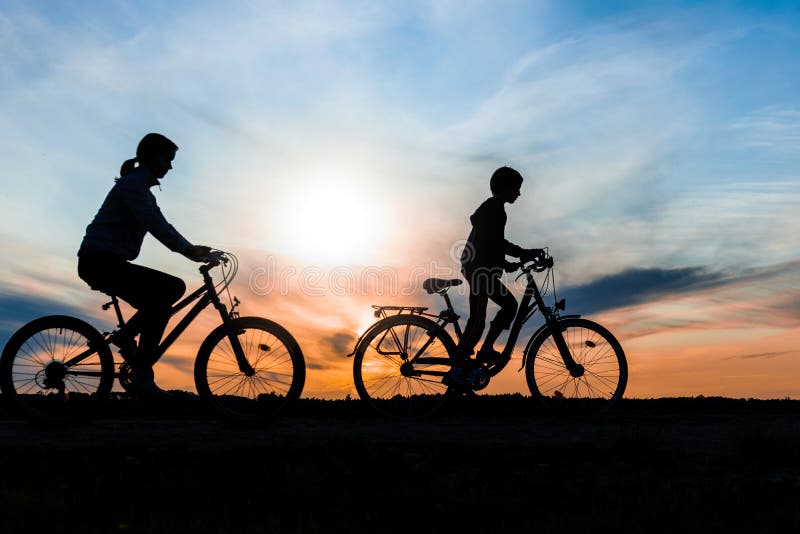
(248, 369)
(400, 360)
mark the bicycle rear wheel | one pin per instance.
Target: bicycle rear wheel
(591, 345)
(278, 370)
(56, 369)
(399, 364)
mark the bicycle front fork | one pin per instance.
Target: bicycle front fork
(241, 358)
(575, 369)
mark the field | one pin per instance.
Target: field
(488, 464)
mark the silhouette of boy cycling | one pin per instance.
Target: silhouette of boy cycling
(483, 261)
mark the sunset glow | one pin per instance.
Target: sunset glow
(329, 221)
(332, 144)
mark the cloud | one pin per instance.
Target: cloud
(762, 355)
(773, 128)
(637, 286)
(769, 291)
(339, 342)
(16, 310)
(416, 104)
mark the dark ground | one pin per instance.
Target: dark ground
(490, 464)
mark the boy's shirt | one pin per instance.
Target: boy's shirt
(486, 245)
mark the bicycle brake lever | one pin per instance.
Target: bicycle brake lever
(209, 261)
(215, 258)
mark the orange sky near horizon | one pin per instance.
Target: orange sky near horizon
(658, 143)
(707, 342)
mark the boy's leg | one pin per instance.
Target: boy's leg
(500, 295)
(479, 282)
(460, 375)
(475, 324)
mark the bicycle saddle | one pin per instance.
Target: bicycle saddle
(439, 285)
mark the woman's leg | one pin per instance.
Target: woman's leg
(151, 292)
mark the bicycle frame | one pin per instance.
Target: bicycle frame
(204, 295)
(551, 317)
(531, 301)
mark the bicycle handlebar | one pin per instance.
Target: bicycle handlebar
(541, 263)
(214, 258)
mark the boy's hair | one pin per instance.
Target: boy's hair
(503, 178)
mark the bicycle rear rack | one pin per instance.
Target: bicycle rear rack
(380, 311)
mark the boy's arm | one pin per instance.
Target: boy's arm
(512, 250)
(525, 254)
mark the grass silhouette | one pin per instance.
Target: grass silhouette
(493, 462)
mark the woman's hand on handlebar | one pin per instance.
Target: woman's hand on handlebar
(199, 253)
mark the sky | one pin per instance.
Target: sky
(339, 148)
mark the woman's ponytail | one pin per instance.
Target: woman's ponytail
(128, 166)
(152, 145)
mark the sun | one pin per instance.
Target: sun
(331, 221)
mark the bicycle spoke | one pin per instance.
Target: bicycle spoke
(603, 375)
(277, 368)
(399, 366)
(42, 379)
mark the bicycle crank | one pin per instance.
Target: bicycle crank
(125, 376)
(479, 378)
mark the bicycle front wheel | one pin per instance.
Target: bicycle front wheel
(56, 369)
(260, 388)
(605, 369)
(399, 364)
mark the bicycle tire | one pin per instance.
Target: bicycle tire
(33, 374)
(377, 373)
(591, 345)
(276, 358)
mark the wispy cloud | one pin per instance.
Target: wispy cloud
(637, 286)
(773, 128)
(610, 114)
(762, 355)
(18, 309)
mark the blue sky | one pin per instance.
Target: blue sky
(660, 141)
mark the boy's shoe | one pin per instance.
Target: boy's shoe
(492, 357)
(457, 376)
(489, 356)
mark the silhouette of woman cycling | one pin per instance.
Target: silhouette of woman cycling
(114, 238)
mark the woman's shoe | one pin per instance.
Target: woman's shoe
(142, 384)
